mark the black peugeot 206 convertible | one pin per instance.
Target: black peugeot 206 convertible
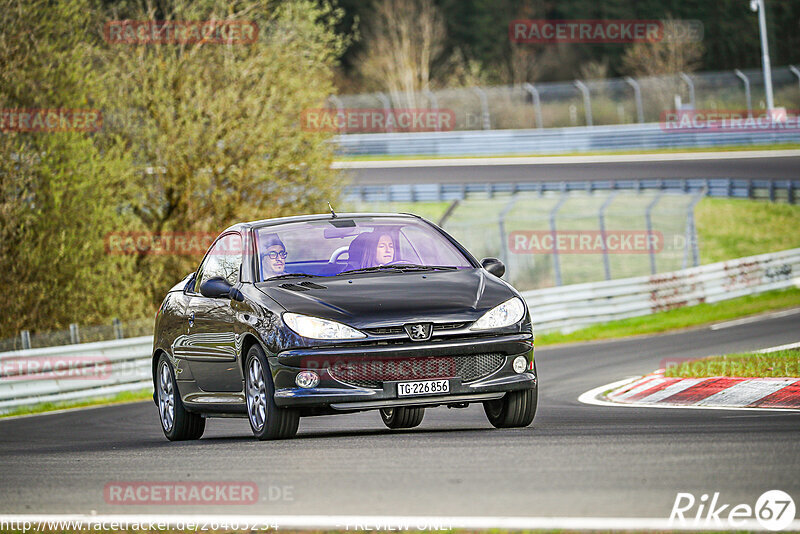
(326, 314)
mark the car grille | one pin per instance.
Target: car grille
(372, 373)
(398, 329)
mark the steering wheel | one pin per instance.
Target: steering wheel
(338, 253)
(400, 262)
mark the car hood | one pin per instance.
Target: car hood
(382, 299)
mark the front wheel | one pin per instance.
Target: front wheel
(515, 409)
(403, 417)
(267, 420)
(177, 423)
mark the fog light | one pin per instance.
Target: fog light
(520, 364)
(307, 379)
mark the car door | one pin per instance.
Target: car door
(211, 345)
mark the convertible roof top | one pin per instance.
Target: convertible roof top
(315, 217)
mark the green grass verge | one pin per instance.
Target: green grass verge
(678, 319)
(730, 148)
(775, 364)
(733, 228)
(126, 396)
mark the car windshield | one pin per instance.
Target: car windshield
(361, 244)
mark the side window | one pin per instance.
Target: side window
(224, 260)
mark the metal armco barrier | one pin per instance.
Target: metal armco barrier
(783, 190)
(82, 371)
(568, 308)
(551, 140)
(74, 372)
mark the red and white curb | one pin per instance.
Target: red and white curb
(720, 392)
(656, 389)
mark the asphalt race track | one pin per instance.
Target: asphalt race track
(658, 166)
(576, 460)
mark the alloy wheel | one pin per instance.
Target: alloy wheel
(256, 394)
(166, 397)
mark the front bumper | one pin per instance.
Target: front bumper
(336, 395)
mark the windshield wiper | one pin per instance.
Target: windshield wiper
(290, 275)
(401, 268)
(413, 267)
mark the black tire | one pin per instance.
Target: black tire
(402, 417)
(515, 409)
(267, 420)
(177, 423)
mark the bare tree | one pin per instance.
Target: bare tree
(524, 64)
(661, 61)
(670, 55)
(403, 41)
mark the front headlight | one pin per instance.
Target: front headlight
(316, 328)
(505, 314)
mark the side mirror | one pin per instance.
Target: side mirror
(219, 288)
(494, 266)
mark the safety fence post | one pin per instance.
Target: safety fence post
(587, 101)
(602, 221)
(637, 94)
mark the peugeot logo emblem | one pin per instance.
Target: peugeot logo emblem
(419, 332)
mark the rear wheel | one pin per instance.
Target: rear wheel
(515, 409)
(177, 423)
(267, 420)
(402, 417)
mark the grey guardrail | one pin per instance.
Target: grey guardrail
(83, 371)
(568, 308)
(74, 372)
(551, 140)
(714, 187)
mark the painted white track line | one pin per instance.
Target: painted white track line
(754, 319)
(403, 523)
(594, 397)
(779, 347)
(564, 160)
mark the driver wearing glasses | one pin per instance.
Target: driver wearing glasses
(273, 259)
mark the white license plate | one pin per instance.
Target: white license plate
(423, 387)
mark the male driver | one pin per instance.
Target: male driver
(273, 259)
